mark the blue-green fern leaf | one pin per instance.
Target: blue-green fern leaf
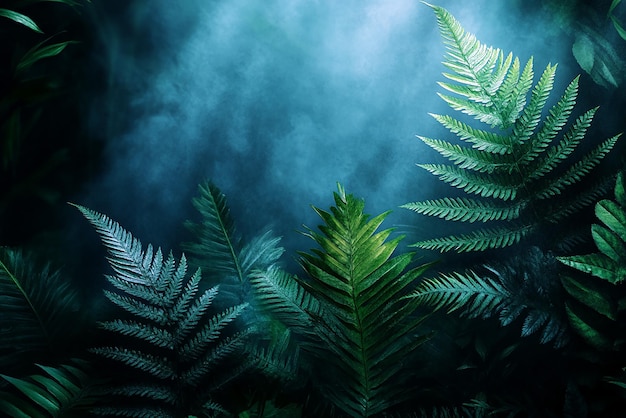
(171, 335)
(525, 287)
(517, 161)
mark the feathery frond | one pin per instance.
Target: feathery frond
(352, 299)
(527, 285)
(171, 337)
(517, 167)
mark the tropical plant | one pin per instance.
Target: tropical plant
(173, 341)
(40, 129)
(598, 302)
(515, 167)
(63, 391)
(38, 309)
(349, 311)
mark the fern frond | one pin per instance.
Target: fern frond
(180, 343)
(485, 185)
(465, 210)
(526, 124)
(227, 346)
(359, 325)
(210, 332)
(599, 294)
(157, 366)
(152, 334)
(578, 171)
(479, 240)
(478, 296)
(558, 153)
(468, 158)
(218, 249)
(481, 140)
(281, 295)
(518, 160)
(217, 246)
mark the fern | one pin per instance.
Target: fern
(218, 248)
(172, 338)
(597, 301)
(37, 312)
(517, 168)
(526, 287)
(349, 309)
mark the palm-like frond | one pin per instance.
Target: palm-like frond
(37, 311)
(352, 299)
(518, 166)
(172, 337)
(59, 391)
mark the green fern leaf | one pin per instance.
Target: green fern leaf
(281, 295)
(613, 216)
(465, 210)
(217, 242)
(556, 154)
(351, 302)
(467, 158)
(476, 240)
(518, 160)
(478, 296)
(526, 124)
(598, 265)
(608, 243)
(484, 185)
(481, 140)
(218, 249)
(578, 171)
(591, 295)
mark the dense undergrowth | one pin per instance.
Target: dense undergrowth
(363, 329)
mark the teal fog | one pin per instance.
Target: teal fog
(277, 101)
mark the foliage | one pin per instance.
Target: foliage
(349, 309)
(527, 287)
(516, 167)
(173, 340)
(38, 309)
(40, 125)
(220, 251)
(62, 391)
(599, 301)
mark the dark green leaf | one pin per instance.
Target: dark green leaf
(21, 19)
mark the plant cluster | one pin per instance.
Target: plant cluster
(360, 332)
